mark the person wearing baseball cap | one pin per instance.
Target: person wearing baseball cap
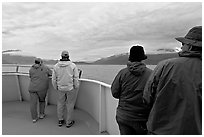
(65, 54)
(174, 90)
(65, 80)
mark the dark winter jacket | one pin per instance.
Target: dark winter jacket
(128, 87)
(39, 78)
(174, 92)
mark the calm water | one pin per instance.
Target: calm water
(103, 73)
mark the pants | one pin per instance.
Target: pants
(131, 127)
(65, 104)
(36, 97)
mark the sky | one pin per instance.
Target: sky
(90, 31)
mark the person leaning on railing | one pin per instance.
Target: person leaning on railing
(39, 83)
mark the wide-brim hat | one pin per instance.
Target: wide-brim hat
(193, 37)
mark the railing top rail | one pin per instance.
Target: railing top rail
(25, 73)
(20, 65)
(98, 82)
(19, 68)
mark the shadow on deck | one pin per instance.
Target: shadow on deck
(16, 120)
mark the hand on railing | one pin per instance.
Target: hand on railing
(80, 73)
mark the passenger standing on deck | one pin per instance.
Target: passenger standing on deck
(39, 83)
(65, 80)
(128, 87)
(174, 90)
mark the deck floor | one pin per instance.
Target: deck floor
(16, 120)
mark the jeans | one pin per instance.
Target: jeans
(131, 127)
(36, 97)
(66, 99)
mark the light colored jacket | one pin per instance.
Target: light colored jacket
(65, 76)
(174, 94)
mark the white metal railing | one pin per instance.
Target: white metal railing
(94, 97)
(23, 69)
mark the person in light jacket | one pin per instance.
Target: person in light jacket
(174, 90)
(65, 80)
(39, 83)
(128, 86)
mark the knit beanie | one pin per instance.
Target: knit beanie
(137, 54)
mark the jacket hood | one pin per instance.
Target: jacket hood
(136, 68)
(64, 63)
(36, 66)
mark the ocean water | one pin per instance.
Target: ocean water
(103, 73)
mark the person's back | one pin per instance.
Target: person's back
(174, 91)
(65, 80)
(39, 83)
(65, 74)
(133, 79)
(128, 87)
(39, 74)
(178, 97)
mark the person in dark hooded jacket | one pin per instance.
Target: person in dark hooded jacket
(128, 86)
(174, 90)
(39, 83)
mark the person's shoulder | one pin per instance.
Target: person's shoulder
(55, 65)
(73, 64)
(47, 67)
(169, 61)
(172, 62)
(148, 70)
(43, 65)
(31, 68)
(123, 70)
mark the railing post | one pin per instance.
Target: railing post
(17, 67)
(18, 81)
(102, 110)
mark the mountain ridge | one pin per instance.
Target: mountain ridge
(119, 59)
(152, 59)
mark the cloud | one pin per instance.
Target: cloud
(93, 30)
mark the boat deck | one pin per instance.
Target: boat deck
(16, 120)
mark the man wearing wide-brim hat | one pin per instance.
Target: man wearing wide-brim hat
(193, 37)
(174, 90)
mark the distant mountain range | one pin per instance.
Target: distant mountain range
(152, 59)
(121, 59)
(28, 60)
(18, 59)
